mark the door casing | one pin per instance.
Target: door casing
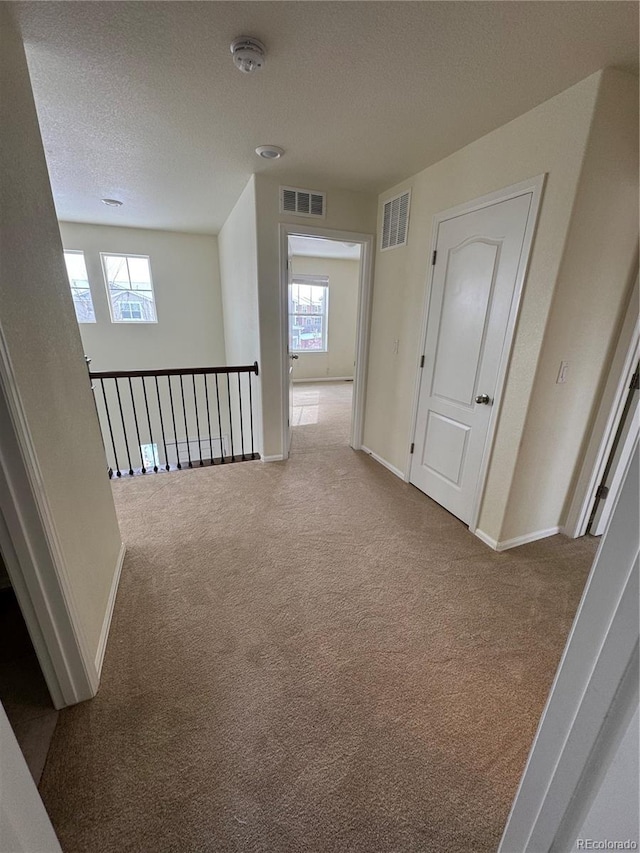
(33, 556)
(365, 287)
(607, 419)
(535, 187)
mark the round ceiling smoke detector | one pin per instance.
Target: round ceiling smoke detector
(248, 54)
(269, 152)
(111, 202)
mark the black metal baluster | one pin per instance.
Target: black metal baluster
(184, 415)
(195, 403)
(146, 405)
(233, 450)
(124, 428)
(113, 444)
(206, 399)
(251, 414)
(219, 420)
(173, 419)
(135, 420)
(164, 440)
(241, 424)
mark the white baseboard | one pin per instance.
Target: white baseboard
(106, 625)
(277, 458)
(506, 544)
(325, 379)
(383, 462)
(528, 537)
(492, 543)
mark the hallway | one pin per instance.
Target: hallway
(310, 656)
(321, 415)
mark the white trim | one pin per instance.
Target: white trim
(365, 288)
(619, 460)
(506, 544)
(534, 187)
(29, 609)
(590, 690)
(277, 458)
(104, 255)
(36, 562)
(606, 423)
(324, 379)
(528, 537)
(483, 537)
(106, 624)
(383, 462)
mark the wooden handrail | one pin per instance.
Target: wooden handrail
(174, 371)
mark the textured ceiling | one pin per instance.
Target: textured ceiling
(141, 101)
(315, 247)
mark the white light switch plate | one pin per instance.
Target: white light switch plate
(562, 373)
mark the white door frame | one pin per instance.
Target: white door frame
(607, 420)
(593, 697)
(24, 824)
(534, 186)
(34, 558)
(365, 287)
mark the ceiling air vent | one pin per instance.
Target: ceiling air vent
(395, 221)
(302, 202)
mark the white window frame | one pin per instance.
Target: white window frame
(103, 256)
(316, 281)
(81, 252)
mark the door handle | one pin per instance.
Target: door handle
(293, 355)
(484, 399)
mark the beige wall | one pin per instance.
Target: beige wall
(42, 342)
(551, 139)
(239, 281)
(597, 271)
(186, 283)
(339, 359)
(346, 211)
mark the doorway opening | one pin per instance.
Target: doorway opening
(23, 690)
(615, 429)
(326, 302)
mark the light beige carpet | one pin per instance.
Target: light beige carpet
(310, 657)
(321, 415)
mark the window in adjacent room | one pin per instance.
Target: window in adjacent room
(79, 283)
(308, 314)
(130, 288)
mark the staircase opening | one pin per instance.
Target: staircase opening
(167, 420)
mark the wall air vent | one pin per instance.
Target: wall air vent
(303, 202)
(395, 221)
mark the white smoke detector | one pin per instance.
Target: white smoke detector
(248, 54)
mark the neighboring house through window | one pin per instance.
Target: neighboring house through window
(308, 315)
(130, 288)
(79, 283)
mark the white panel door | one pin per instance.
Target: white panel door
(477, 261)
